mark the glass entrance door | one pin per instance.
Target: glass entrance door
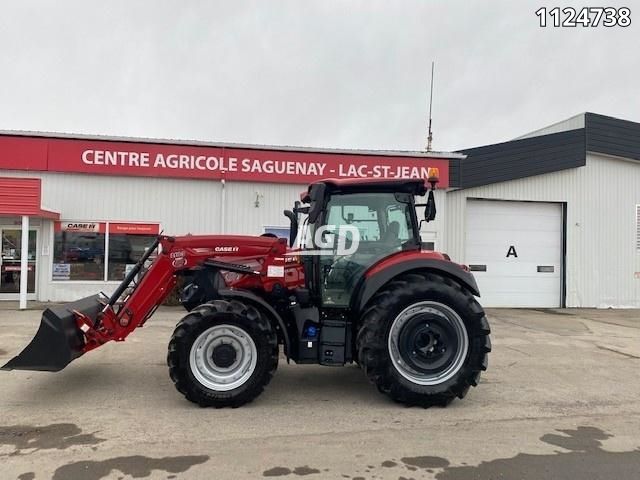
(10, 253)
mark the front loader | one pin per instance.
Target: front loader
(353, 284)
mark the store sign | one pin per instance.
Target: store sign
(135, 228)
(209, 162)
(82, 227)
(17, 268)
(113, 227)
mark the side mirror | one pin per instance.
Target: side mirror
(430, 208)
(293, 228)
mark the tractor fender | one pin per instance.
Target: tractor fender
(372, 283)
(250, 297)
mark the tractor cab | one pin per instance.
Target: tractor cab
(352, 224)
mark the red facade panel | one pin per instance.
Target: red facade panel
(23, 153)
(101, 157)
(19, 196)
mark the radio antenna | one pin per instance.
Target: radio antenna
(430, 136)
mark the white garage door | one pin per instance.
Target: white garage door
(515, 252)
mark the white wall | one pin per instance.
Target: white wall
(602, 259)
(181, 206)
(433, 231)
(242, 215)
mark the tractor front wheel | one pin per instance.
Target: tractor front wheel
(424, 340)
(222, 353)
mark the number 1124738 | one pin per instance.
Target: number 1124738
(584, 17)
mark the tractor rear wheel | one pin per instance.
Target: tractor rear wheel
(423, 340)
(222, 354)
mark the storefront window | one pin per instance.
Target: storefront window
(78, 251)
(124, 251)
(280, 232)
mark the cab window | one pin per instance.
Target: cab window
(384, 224)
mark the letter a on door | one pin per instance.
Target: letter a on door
(512, 251)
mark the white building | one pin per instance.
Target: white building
(550, 219)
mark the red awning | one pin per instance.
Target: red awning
(22, 196)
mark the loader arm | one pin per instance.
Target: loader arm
(69, 331)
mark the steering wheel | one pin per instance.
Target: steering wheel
(343, 271)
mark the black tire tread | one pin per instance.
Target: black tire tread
(205, 316)
(371, 341)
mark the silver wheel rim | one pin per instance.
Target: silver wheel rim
(216, 377)
(454, 321)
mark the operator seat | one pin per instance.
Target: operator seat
(391, 235)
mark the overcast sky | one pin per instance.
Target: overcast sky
(344, 74)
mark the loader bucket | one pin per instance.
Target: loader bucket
(58, 340)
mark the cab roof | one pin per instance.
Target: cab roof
(416, 186)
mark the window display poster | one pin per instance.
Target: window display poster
(61, 271)
(127, 268)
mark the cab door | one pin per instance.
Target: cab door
(378, 225)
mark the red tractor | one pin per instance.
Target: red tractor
(405, 314)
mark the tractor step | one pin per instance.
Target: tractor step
(334, 337)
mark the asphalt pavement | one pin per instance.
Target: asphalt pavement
(560, 400)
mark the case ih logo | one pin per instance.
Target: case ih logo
(226, 249)
(80, 227)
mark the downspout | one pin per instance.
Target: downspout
(223, 206)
